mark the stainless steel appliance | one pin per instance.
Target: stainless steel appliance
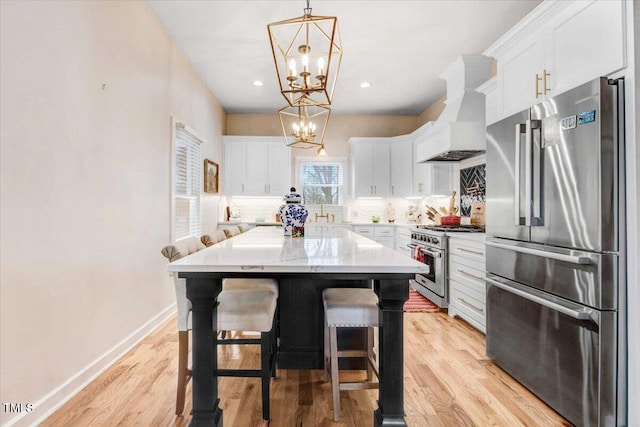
(555, 259)
(429, 245)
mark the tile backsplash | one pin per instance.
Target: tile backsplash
(356, 211)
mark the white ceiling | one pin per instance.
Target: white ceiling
(399, 46)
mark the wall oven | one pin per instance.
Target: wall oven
(430, 247)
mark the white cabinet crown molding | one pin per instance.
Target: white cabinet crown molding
(528, 24)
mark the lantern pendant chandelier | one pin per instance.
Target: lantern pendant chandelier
(299, 43)
(304, 124)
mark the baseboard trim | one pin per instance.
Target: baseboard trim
(50, 403)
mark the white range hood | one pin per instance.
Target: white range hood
(459, 132)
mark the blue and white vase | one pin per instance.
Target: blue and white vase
(293, 214)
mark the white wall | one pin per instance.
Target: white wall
(88, 92)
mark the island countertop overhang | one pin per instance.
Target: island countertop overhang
(266, 250)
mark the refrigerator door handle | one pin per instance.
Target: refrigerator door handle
(576, 313)
(537, 173)
(528, 173)
(582, 260)
(520, 129)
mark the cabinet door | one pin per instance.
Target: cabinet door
(586, 42)
(234, 168)
(517, 76)
(362, 165)
(401, 168)
(421, 179)
(279, 181)
(442, 179)
(257, 169)
(381, 170)
(433, 179)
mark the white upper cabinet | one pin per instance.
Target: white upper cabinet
(401, 151)
(433, 179)
(557, 47)
(370, 167)
(256, 166)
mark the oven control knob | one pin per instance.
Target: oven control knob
(434, 240)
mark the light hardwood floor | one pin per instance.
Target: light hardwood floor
(449, 381)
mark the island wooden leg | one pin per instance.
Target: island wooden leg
(392, 295)
(203, 293)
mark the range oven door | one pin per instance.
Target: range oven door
(562, 351)
(433, 284)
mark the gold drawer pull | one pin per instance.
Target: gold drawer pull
(471, 252)
(462, 300)
(545, 88)
(470, 275)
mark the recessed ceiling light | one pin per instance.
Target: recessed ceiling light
(365, 85)
(257, 83)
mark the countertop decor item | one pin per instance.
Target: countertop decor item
(390, 212)
(293, 214)
(211, 174)
(375, 219)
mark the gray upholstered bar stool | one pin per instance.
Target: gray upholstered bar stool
(244, 227)
(348, 307)
(213, 238)
(232, 231)
(251, 310)
(246, 306)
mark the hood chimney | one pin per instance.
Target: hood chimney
(459, 132)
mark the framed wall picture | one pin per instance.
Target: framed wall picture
(211, 174)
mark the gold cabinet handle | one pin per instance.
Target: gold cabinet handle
(464, 301)
(538, 79)
(545, 88)
(470, 275)
(242, 188)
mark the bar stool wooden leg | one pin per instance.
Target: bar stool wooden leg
(183, 370)
(327, 354)
(335, 382)
(265, 368)
(369, 353)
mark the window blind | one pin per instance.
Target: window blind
(188, 172)
(321, 182)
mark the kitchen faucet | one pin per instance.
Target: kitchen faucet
(324, 215)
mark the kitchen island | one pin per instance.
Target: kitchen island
(334, 257)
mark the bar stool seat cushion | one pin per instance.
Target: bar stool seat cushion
(348, 307)
(246, 310)
(258, 284)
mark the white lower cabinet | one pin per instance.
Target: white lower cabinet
(383, 234)
(403, 238)
(467, 290)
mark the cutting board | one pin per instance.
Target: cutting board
(477, 213)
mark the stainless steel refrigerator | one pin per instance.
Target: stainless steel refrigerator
(556, 307)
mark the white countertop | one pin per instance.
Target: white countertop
(322, 250)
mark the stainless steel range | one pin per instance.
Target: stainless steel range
(429, 245)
